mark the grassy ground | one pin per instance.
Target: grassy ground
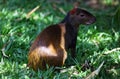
(95, 43)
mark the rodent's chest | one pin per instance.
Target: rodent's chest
(70, 38)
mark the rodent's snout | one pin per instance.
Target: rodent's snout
(91, 20)
(94, 19)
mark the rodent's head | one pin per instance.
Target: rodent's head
(79, 16)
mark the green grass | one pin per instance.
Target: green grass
(93, 41)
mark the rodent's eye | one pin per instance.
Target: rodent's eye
(82, 15)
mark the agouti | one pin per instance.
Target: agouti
(49, 48)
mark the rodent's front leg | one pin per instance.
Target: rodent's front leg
(73, 48)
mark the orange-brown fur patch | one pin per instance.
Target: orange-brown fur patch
(63, 31)
(53, 54)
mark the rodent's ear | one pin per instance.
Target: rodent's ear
(75, 5)
(73, 11)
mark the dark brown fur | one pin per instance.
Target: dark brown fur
(51, 44)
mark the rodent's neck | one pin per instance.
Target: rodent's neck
(70, 35)
(69, 21)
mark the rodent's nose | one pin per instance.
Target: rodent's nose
(93, 20)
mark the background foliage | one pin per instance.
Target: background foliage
(94, 42)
